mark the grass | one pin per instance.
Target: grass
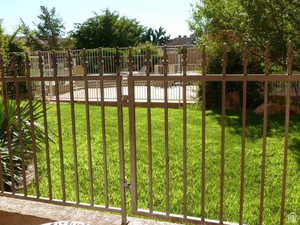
(232, 161)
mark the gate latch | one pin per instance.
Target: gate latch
(127, 186)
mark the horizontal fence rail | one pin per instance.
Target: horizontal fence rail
(79, 151)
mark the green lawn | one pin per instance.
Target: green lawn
(232, 161)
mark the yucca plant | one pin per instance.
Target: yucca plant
(20, 136)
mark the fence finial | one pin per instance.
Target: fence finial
(245, 58)
(1, 66)
(100, 62)
(165, 60)
(148, 61)
(41, 60)
(54, 63)
(130, 61)
(184, 60)
(225, 58)
(14, 64)
(84, 62)
(290, 58)
(118, 61)
(27, 64)
(267, 58)
(41, 64)
(204, 60)
(70, 62)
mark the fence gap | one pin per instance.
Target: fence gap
(88, 128)
(184, 128)
(58, 114)
(265, 129)
(166, 124)
(203, 135)
(290, 60)
(103, 125)
(223, 118)
(149, 128)
(243, 136)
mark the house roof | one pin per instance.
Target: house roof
(181, 40)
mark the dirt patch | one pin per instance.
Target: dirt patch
(8, 218)
(275, 108)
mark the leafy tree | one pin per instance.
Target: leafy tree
(50, 28)
(48, 31)
(3, 42)
(257, 21)
(156, 37)
(67, 43)
(10, 43)
(31, 39)
(107, 30)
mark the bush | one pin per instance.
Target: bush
(139, 55)
(16, 67)
(235, 66)
(17, 131)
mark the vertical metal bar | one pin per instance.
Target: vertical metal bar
(243, 137)
(203, 136)
(6, 104)
(58, 114)
(223, 118)
(88, 130)
(184, 128)
(166, 124)
(264, 137)
(32, 126)
(104, 145)
(73, 119)
(19, 125)
(41, 68)
(132, 132)
(286, 133)
(121, 139)
(149, 128)
(2, 73)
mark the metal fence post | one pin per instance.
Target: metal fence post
(132, 133)
(290, 60)
(2, 73)
(123, 183)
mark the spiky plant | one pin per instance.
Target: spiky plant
(16, 132)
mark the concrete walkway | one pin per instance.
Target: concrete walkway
(24, 212)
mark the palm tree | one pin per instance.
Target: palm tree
(156, 37)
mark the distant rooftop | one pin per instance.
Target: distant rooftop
(181, 40)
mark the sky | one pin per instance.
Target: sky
(170, 14)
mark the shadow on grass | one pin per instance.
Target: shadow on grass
(254, 127)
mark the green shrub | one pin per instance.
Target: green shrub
(235, 66)
(18, 132)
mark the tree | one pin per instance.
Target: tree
(10, 43)
(257, 21)
(31, 39)
(48, 31)
(50, 28)
(107, 30)
(156, 37)
(2, 41)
